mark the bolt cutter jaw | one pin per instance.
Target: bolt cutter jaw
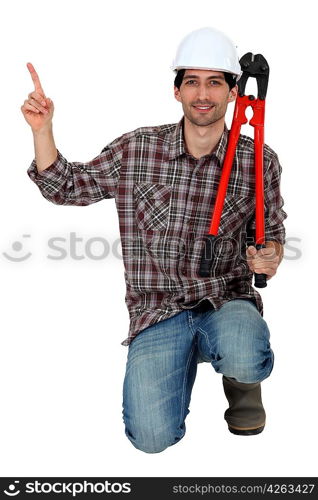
(257, 67)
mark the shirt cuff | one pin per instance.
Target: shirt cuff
(56, 170)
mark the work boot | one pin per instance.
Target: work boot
(246, 415)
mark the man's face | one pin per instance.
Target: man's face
(204, 95)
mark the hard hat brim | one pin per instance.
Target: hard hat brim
(177, 68)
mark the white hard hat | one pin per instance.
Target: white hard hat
(207, 48)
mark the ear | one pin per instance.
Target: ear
(177, 94)
(233, 94)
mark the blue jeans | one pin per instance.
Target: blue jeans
(162, 363)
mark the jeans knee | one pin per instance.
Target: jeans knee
(251, 373)
(154, 442)
(247, 361)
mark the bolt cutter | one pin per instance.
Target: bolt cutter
(252, 66)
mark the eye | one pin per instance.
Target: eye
(215, 82)
(191, 82)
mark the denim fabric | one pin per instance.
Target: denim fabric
(162, 363)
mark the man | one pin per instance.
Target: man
(164, 180)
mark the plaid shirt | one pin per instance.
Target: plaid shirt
(164, 198)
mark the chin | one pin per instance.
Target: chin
(201, 123)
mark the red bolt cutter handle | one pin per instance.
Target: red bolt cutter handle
(258, 123)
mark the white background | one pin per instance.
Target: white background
(107, 68)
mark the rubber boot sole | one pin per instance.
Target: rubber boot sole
(246, 432)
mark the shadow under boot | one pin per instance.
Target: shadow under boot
(246, 415)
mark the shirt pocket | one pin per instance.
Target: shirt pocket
(231, 235)
(237, 210)
(152, 203)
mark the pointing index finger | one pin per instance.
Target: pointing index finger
(36, 79)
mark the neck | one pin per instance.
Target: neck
(201, 141)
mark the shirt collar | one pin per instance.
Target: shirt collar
(177, 144)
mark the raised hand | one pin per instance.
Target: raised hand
(37, 109)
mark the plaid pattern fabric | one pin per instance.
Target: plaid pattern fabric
(164, 198)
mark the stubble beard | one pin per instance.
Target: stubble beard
(204, 120)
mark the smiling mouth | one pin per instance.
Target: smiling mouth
(203, 109)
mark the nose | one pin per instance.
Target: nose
(203, 93)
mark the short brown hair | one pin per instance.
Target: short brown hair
(229, 78)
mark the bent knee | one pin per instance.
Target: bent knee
(151, 441)
(251, 373)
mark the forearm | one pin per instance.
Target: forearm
(44, 148)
